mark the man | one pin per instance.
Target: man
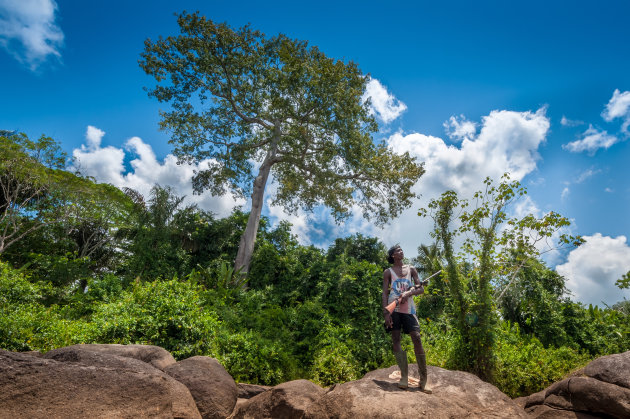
(397, 284)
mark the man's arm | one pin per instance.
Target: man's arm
(419, 288)
(386, 280)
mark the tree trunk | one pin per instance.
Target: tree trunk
(246, 245)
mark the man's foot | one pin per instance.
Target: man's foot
(426, 390)
(401, 360)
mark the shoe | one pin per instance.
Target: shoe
(401, 360)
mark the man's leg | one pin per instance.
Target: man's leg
(421, 359)
(401, 359)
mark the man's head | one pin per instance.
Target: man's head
(390, 253)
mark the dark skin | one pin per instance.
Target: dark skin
(398, 257)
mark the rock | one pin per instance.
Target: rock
(160, 358)
(111, 387)
(287, 400)
(602, 388)
(38, 354)
(546, 412)
(247, 391)
(586, 394)
(613, 369)
(81, 355)
(533, 399)
(455, 394)
(212, 387)
(520, 401)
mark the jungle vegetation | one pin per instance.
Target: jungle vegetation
(84, 262)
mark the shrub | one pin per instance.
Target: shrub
(525, 366)
(334, 363)
(25, 323)
(170, 314)
(250, 358)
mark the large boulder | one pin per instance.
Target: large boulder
(88, 385)
(455, 394)
(160, 358)
(212, 387)
(288, 400)
(602, 388)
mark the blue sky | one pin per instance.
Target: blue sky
(541, 89)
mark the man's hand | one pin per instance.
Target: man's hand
(388, 319)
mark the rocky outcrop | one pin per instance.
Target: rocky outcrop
(455, 394)
(160, 358)
(94, 385)
(212, 387)
(288, 400)
(129, 381)
(601, 389)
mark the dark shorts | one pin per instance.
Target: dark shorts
(408, 322)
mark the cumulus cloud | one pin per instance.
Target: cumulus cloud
(618, 106)
(592, 269)
(506, 142)
(28, 30)
(459, 128)
(592, 140)
(383, 104)
(106, 164)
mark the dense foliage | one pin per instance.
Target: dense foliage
(161, 273)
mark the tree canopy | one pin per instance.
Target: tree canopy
(249, 106)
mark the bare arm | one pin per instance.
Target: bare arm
(386, 280)
(419, 288)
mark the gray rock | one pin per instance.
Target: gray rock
(212, 387)
(160, 358)
(602, 388)
(247, 391)
(613, 369)
(455, 394)
(288, 400)
(93, 385)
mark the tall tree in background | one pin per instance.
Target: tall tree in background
(499, 246)
(29, 173)
(251, 106)
(36, 192)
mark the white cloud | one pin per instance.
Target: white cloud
(459, 128)
(586, 174)
(618, 106)
(28, 30)
(507, 142)
(106, 164)
(565, 193)
(591, 141)
(609, 190)
(570, 122)
(592, 269)
(383, 104)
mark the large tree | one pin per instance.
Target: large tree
(250, 106)
(498, 246)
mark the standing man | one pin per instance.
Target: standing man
(397, 283)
